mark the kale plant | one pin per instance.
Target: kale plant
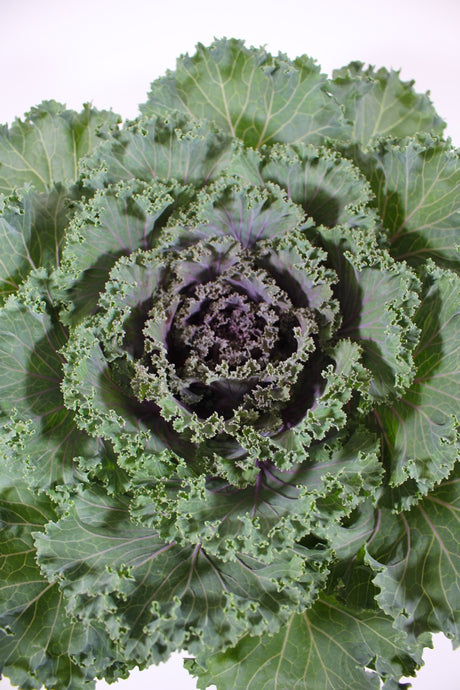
(229, 380)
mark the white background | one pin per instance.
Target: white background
(108, 51)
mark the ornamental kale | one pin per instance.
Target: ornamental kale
(229, 376)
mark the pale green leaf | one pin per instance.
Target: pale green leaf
(45, 148)
(332, 646)
(416, 183)
(174, 147)
(252, 95)
(379, 103)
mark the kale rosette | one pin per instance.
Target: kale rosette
(229, 374)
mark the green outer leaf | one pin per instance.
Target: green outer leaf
(267, 518)
(329, 413)
(378, 298)
(30, 378)
(255, 97)
(32, 230)
(39, 643)
(420, 431)
(173, 147)
(327, 647)
(378, 103)
(418, 562)
(45, 148)
(329, 187)
(416, 182)
(116, 222)
(156, 596)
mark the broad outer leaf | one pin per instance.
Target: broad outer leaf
(417, 187)
(378, 103)
(418, 562)
(327, 647)
(32, 229)
(420, 431)
(39, 643)
(173, 147)
(46, 147)
(155, 597)
(257, 98)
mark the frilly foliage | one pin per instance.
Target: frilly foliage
(229, 380)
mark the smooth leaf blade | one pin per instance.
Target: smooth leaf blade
(329, 647)
(379, 103)
(416, 556)
(46, 147)
(416, 182)
(255, 97)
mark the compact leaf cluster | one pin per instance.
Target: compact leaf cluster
(229, 374)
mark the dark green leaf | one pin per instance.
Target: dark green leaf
(420, 431)
(39, 643)
(30, 378)
(32, 231)
(418, 562)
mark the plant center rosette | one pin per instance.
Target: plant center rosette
(232, 344)
(225, 340)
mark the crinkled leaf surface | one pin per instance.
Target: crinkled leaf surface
(30, 376)
(227, 245)
(161, 148)
(270, 516)
(420, 430)
(377, 299)
(116, 223)
(125, 575)
(32, 231)
(327, 186)
(39, 643)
